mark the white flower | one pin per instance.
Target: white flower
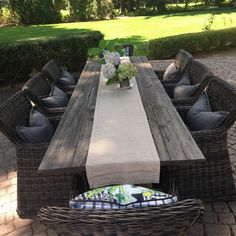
(108, 70)
(112, 57)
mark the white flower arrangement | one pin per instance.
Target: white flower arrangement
(109, 70)
(126, 71)
(112, 57)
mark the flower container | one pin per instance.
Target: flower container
(124, 84)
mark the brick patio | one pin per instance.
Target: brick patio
(218, 220)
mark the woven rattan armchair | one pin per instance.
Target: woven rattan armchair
(172, 219)
(38, 86)
(198, 74)
(33, 190)
(124, 46)
(212, 179)
(182, 61)
(52, 71)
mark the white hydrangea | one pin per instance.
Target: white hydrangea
(108, 70)
(112, 57)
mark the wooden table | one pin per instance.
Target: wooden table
(68, 149)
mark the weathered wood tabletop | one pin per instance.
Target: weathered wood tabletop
(69, 147)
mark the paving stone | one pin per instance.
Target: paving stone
(226, 218)
(233, 228)
(207, 206)
(217, 230)
(196, 230)
(6, 228)
(209, 218)
(2, 219)
(220, 207)
(5, 183)
(25, 231)
(12, 174)
(13, 180)
(14, 196)
(51, 232)
(232, 205)
(2, 192)
(38, 228)
(41, 234)
(19, 223)
(3, 177)
(9, 216)
(12, 188)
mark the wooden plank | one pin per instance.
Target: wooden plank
(75, 127)
(174, 142)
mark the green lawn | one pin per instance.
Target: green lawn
(137, 30)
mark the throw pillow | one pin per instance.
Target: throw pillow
(40, 129)
(201, 117)
(121, 196)
(172, 72)
(66, 79)
(57, 98)
(183, 89)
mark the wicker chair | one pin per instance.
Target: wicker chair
(172, 219)
(198, 74)
(182, 61)
(129, 46)
(38, 86)
(212, 179)
(52, 71)
(33, 190)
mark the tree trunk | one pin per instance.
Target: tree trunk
(161, 6)
(122, 6)
(130, 5)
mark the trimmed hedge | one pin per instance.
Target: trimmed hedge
(19, 60)
(165, 48)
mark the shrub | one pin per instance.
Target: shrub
(18, 60)
(167, 47)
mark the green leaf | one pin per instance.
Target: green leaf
(109, 81)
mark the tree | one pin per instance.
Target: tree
(35, 11)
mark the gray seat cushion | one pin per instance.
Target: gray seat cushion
(66, 79)
(201, 117)
(57, 98)
(183, 89)
(40, 130)
(172, 73)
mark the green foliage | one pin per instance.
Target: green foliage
(19, 59)
(7, 16)
(209, 21)
(35, 11)
(165, 48)
(83, 10)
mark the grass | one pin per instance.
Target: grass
(136, 30)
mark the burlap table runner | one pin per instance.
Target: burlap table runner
(122, 150)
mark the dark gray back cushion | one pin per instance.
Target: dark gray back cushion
(201, 117)
(172, 72)
(57, 98)
(183, 89)
(40, 129)
(66, 79)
